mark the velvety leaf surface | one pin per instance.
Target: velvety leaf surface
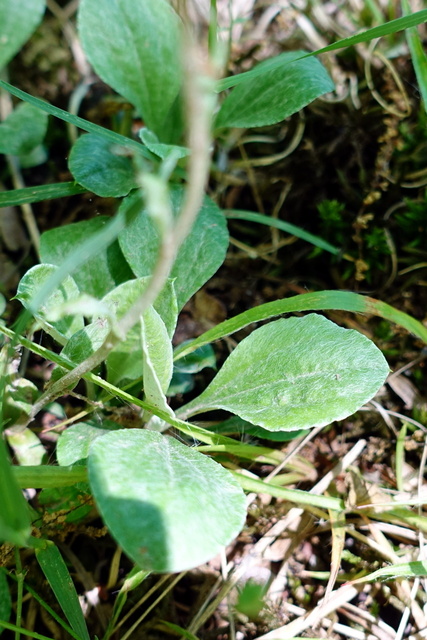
(18, 19)
(295, 374)
(74, 443)
(23, 130)
(157, 359)
(100, 273)
(32, 282)
(266, 98)
(137, 52)
(168, 506)
(95, 163)
(126, 361)
(201, 254)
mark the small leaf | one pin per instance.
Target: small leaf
(18, 20)
(23, 130)
(169, 507)
(99, 274)
(197, 360)
(157, 359)
(20, 395)
(58, 576)
(152, 143)
(32, 283)
(141, 57)
(26, 446)
(201, 254)
(296, 374)
(97, 164)
(271, 96)
(74, 443)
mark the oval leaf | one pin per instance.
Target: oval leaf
(140, 57)
(295, 374)
(199, 257)
(168, 506)
(32, 283)
(269, 96)
(23, 130)
(94, 164)
(18, 19)
(98, 274)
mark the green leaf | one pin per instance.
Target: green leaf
(15, 519)
(199, 257)
(20, 395)
(157, 359)
(58, 576)
(365, 36)
(141, 57)
(393, 571)
(126, 361)
(316, 301)
(23, 130)
(237, 426)
(169, 507)
(32, 283)
(418, 55)
(152, 143)
(74, 443)
(197, 360)
(275, 92)
(97, 164)
(38, 194)
(296, 374)
(100, 273)
(26, 446)
(251, 216)
(18, 20)
(5, 598)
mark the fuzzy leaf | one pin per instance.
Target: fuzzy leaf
(296, 374)
(275, 94)
(18, 19)
(137, 52)
(23, 130)
(201, 254)
(96, 164)
(169, 507)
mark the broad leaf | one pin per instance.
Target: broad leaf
(18, 19)
(26, 446)
(99, 274)
(267, 98)
(99, 166)
(32, 283)
(295, 374)
(201, 254)
(169, 507)
(23, 130)
(140, 57)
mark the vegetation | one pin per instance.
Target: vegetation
(109, 292)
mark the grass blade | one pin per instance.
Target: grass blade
(57, 574)
(318, 301)
(37, 194)
(418, 55)
(251, 216)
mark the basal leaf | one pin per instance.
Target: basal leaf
(23, 130)
(137, 52)
(31, 284)
(157, 359)
(296, 374)
(97, 164)
(152, 143)
(169, 507)
(267, 98)
(18, 19)
(201, 254)
(100, 273)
